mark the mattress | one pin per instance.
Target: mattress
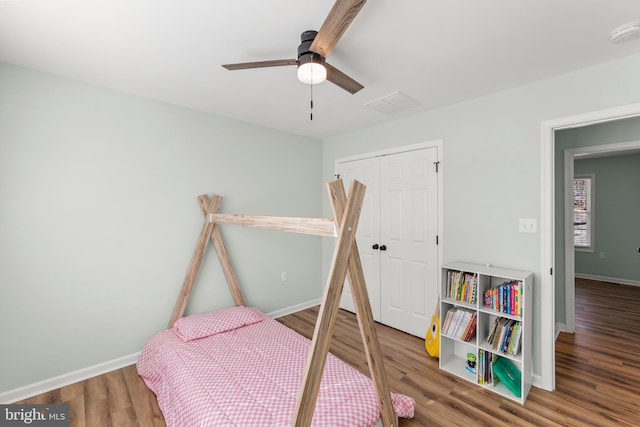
(239, 367)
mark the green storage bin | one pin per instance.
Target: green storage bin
(508, 374)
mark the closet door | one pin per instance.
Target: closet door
(408, 265)
(367, 171)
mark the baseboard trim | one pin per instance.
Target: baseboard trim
(295, 308)
(536, 381)
(613, 280)
(54, 383)
(560, 327)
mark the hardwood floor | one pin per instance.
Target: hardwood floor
(597, 377)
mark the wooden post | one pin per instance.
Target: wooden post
(325, 323)
(364, 314)
(223, 256)
(194, 265)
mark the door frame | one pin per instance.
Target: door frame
(437, 143)
(548, 329)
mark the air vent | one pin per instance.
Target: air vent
(393, 103)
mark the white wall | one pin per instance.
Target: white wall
(492, 166)
(99, 218)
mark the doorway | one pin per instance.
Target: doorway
(570, 156)
(547, 225)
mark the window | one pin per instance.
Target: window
(583, 189)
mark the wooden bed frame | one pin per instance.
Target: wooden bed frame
(346, 260)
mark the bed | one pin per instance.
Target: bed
(239, 367)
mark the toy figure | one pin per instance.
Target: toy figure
(471, 363)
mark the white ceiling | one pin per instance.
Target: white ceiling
(436, 51)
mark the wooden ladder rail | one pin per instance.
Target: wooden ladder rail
(221, 250)
(209, 231)
(345, 258)
(364, 315)
(194, 264)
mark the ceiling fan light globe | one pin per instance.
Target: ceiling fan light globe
(312, 73)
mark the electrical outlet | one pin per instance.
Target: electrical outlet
(603, 255)
(284, 277)
(527, 225)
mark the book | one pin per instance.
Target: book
(455, 320)
(492, 332)
(471, 327)
(447, 321)
(515, 347)
(504, 335)
(506, 298)
(462, 286)
(462, 326)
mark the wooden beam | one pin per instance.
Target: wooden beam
(223, 255)
(364, 315)
(194, 265)
(314, 226)
(322, 334)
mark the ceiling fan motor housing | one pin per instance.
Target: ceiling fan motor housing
(306, 39)
(311, 69)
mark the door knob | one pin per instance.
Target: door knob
(375, 246)
(383, 248)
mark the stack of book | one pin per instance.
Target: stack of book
(506, 298)
(462, 286)
(460, 324)
(504, 336)
(485, 368)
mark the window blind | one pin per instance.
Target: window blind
(582, 214)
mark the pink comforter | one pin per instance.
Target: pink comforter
(250, 376)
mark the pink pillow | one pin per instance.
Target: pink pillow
(203, 325)
(403, 406)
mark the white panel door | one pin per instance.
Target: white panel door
(367, 171)
(397, 236)
(408, 210)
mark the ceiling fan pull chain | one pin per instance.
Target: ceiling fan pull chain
(311, 103)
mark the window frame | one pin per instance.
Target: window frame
(590, 212)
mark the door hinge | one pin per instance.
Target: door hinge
(551, 271)
(437, 239)
(436, 163)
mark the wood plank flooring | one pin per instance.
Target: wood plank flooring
(597, 377)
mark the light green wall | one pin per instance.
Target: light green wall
(99, 214)
(492, 166)
(617, 226)
(99, 219)
(604, 133)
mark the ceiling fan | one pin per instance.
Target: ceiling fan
(314, 48)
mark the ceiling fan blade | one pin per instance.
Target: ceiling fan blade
(260, 64)
(340, 79)
(339, 18)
